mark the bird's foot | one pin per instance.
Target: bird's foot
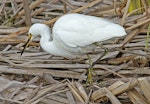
(89, 80)
(90, 74)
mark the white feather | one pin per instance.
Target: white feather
(74, 34)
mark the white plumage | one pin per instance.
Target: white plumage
(75, 34)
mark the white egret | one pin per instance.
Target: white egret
(74, 34)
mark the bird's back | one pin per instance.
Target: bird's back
(82, 30)
(77, 30)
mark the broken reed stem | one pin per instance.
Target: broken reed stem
(75, 11)
(125, 12)
(27, 12)
(32, 6)
(44, 91)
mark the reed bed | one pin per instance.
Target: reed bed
(122, 76)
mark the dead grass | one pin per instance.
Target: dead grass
(40, 78)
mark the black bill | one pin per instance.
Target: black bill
(27, 43)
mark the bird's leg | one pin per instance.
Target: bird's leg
(90, 70)
(104, 53)
(89, 79)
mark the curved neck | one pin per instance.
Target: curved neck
(46, 36)
(47, 43)
(51, 47)
(45, 39)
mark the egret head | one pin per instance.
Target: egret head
(35, 30)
